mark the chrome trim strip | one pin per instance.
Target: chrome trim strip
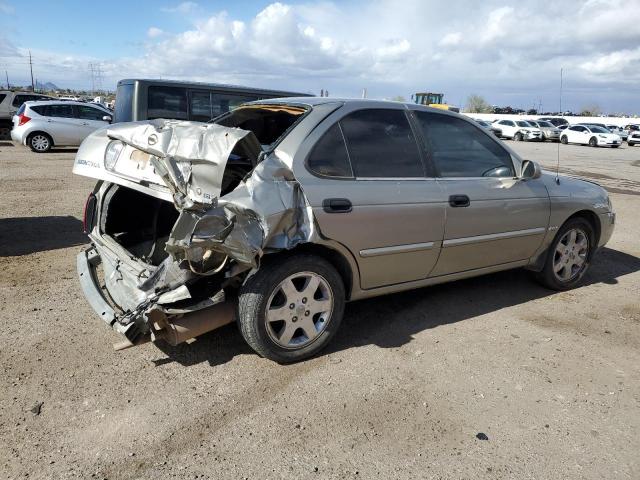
(493, 236)
(411, 247)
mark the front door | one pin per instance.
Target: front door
(366, 183)
(492, 217)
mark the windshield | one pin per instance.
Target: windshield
(545, 124)
(522, 123)
(596, 129)
(268, 122)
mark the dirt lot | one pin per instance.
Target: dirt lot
(551, 379)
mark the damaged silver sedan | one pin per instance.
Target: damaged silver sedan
(280, 211)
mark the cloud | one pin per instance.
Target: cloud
(6, 8)
(183, 8)
(506, 51)
(154, 32)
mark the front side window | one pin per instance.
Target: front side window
(90, 113)
(200, 106)
(522, 123)
(167, 102)
(19, 100)
(329, 155)
(225, 102)
(381, 144)
(459, 149)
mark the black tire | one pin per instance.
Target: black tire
(547, 277)
(517, 137)
(40, 142)
(631, 144)
(593, 142)
(257, 291)
(564, 140)
(615, 146)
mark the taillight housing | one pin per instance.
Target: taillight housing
(22, 119)
(89, 217)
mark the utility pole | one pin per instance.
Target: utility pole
(33, 86)
(7, 75)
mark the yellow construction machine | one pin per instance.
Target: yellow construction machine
(435, 100)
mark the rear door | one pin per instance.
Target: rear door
(492, 217)
(61, 123)
(369, 191)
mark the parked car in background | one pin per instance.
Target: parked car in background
(633, 138)
(139, 99)
(592, 135)
(630, 128)
(387, 197)
(518, 130)
(44, 124)
(489, 126)
(10, 102)
(548, 129)
(557, 121)
(618, 131)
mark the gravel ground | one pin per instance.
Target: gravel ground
(493, 377)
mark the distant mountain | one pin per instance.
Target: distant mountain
(46, 86)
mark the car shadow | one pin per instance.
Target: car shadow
(391, 321)
(25, 235)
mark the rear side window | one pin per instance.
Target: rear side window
(459, 149)
(123, 110)
(329, 156)
(60, 111)
(39, 109)
(89, 113)
(381, 144)
(167, 102)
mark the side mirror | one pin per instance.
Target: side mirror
(530, 170)
(107, 118)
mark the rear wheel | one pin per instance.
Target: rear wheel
(564, 140)
(289, 310)
(569, 255)
(40, 142)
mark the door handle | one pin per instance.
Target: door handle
(337, 205)
(459, 201)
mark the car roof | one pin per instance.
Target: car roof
(32, 103)
(358, 102)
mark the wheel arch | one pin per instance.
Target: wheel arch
(337, 259)
(35, 132)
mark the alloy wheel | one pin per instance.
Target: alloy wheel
(570, 256)
(299, 310)
(40, 143)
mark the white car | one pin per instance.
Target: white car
(633, 138)
(45, 124)
(519, 130)
(592, 135)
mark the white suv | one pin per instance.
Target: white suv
(42, 125)
(519, 130)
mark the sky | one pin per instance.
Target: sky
(508, 52)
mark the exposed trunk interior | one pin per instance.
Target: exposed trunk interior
(138, 222)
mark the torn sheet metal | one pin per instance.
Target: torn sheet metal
(190, 157)
(266, 211)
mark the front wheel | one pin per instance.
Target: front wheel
(564, 140)
(593, 142)
(290, 308)
(518, 137)
(40, 142)
(569, 255)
